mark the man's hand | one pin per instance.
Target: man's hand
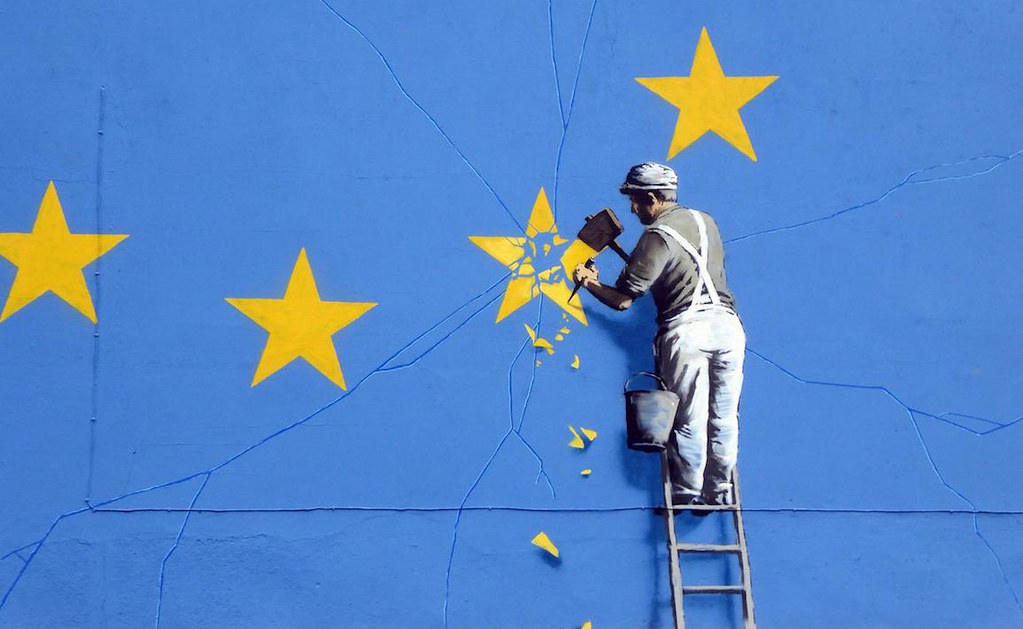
(586, 274)
(589, 278)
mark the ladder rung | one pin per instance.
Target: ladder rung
(704, 508)
(713, 589)
(708, 548)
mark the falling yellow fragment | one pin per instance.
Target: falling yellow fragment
(541, 540)
(575, 362)
(565, 330)
(587, 625)
(590, 434)
(538, 363)
(538, 341)
(577, 441)
(586, 472)
(558, 240)
(559, 337)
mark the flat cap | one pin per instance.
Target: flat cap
(649, 176)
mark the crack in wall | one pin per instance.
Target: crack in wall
(908, 180)
(92, 507)
(513, 427)
(433, 121)
(571, 102)
(912, 414)
(177, 542)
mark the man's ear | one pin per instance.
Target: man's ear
(649, 199)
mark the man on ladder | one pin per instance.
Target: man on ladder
(700, 344)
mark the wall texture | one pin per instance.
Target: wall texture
(873, 248)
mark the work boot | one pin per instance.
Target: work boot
(681, 500)
(723, 497)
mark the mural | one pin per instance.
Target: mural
(395, 195)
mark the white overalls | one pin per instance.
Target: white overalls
(699, 354)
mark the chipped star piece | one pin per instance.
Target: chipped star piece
(537, 270)
(300, 325)
(538, 363)
(565, 330)
(587, 625)
(575, 362)
(538, 341)
(559, 337)
(577, 441)
(542, 541)
(708, 100)
(590, 434)
(50, 259)
(586, 472)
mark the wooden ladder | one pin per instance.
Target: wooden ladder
(675, 549)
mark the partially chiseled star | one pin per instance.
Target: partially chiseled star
(532, 259)
(708, 100)
(50, 259)
(300, 325)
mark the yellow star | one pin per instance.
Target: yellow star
(300, 325)
(51, 259)
(708, 100)
(535, 269)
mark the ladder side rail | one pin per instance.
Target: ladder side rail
(740, 532)
(674, 561)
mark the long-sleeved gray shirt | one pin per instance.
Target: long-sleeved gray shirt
(660, 265)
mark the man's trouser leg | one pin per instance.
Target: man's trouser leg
(684, 369)
(725, 375)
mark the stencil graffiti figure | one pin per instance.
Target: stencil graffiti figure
(700, 343)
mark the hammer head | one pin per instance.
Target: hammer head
(600, 230)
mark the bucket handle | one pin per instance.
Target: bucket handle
(664, 387)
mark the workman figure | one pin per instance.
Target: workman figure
(700, 344)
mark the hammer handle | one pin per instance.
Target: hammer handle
(618, 249)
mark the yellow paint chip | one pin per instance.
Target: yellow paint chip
(546, 248)
(565, 330)
(530, 332)
(577, 441)
(545, 344)
(558, 240)
(538, 363)
(542, 541)
(587, 625)
(559, 337)
(586, 472)
(575, 362)
(590, 434)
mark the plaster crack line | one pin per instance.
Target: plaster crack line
(512, 430)
(554, 61)
(177, 542)
(571, 102)
(429, 116)
(90, 506)
(909, 180)
(911, 412)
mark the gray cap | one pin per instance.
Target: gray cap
(649, 176)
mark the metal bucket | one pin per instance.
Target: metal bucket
(649, 415)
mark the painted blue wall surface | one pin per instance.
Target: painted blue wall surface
(879, 453)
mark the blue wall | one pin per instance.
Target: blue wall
(878, 453)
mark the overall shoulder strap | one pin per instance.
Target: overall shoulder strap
(703, 276)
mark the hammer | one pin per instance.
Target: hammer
(599, 232)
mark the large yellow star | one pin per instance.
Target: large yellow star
(708, 100)
(300, 325)
(51, 259)
(535, 269)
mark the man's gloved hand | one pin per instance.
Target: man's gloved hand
(586, 274)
